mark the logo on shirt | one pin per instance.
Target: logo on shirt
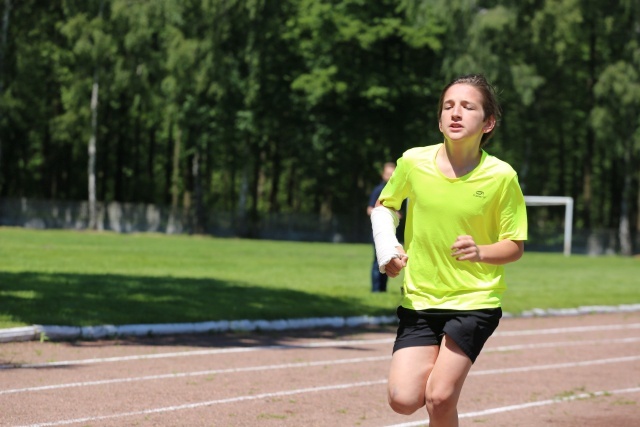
(479, 194)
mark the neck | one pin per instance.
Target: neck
(462, 154)
(460, 158)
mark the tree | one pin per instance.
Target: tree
(93, 219)
(92, 48)
(367, 92)
(615, 119)
(3, 47)
(254, 107)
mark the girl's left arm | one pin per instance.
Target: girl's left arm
(502, 252)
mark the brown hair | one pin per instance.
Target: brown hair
(490, 104)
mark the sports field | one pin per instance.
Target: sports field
(58, 277)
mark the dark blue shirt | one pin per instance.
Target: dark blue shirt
(375, 193)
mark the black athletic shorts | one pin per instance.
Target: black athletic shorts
(469, 329)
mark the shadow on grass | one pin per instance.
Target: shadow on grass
(85, 300)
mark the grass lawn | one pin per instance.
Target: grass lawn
(57, 277)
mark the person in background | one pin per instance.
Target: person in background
(378, 279)
(465, 219)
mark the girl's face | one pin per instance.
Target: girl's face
(462, 115)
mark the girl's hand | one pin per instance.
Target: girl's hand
(465, 249)
(396, 265)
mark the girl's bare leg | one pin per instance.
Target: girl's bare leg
(410, 369)
(445, 384)
(430, 376)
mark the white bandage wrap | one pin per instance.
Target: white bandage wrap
(383, 224)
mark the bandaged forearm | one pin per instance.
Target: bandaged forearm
(383, 224)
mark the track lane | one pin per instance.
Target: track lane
(320, 379)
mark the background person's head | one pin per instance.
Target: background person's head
(387, 171)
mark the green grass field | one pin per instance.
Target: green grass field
(58, 277)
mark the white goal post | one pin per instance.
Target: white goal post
(568, 214)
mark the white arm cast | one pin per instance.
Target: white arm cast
(383, 223)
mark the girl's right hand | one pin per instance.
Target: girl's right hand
(396, 265)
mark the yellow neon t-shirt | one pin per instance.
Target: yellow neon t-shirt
(487, 204)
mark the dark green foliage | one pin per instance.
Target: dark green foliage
(263, 106)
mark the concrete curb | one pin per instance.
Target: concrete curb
(62, 333)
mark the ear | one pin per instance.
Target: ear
(489, 125)
(440, 125)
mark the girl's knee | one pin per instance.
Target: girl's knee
(441, 402)
(403, 408)
(405, 405)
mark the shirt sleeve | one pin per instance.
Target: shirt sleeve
(513, 212)
(397, 189)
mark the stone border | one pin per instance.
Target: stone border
(62, 333)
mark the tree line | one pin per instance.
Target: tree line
(292, 106)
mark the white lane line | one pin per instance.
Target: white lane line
(210, 403)
(201, 373)
(318, 363)
(528, 368)
(527, 405)
(566, 330)
(515, 347)
(327, 344)
(325, 388)
(321, 344)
